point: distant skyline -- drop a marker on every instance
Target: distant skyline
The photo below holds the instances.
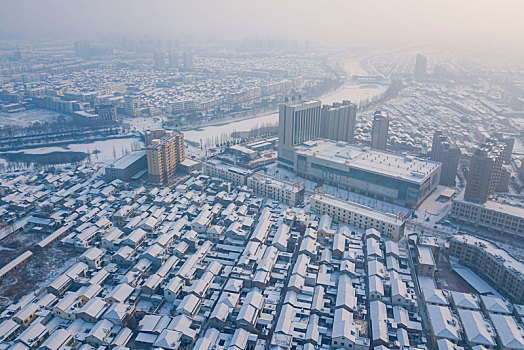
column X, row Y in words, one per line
column 469, row 23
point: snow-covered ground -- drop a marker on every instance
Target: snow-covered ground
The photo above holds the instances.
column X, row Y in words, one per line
column 141, row 124
column 432, row 209
column 25, row 118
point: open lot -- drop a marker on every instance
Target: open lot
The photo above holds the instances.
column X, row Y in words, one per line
column 447, row 279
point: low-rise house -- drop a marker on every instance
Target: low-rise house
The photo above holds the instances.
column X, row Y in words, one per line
column 120, row 294
column 66, row 307
column 443, row 324
column 122, row 338
column 376, row 288
column 510, row 334
column 117, row 313
column 156, row 254
column 495, row 305
column 135, row 238
column 93, row 310
column 250, row 311
column 33, row 336
column 477, row 330
column 99, row 333
column 88, row 292
column 26, row 315
column 202, row 222
column 112, row 240
column 435, row 296
column 426, row 265
column 173, row 288
column 124, row 256
column 92, row 257
column 189, row 305
column 346, row 333
column 60, row 339
column 464, row 301
column 8, row 330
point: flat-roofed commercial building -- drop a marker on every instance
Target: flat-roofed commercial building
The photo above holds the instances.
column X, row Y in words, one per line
column 127, row 166
column 496, row 216
column 391, row 177
column 504, row 272
column 189, row 165
column 237, row 176
column 358, row 216
column 284, row 192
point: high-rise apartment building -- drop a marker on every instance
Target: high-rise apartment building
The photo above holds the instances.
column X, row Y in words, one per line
column 298, row 123
column 188, row 60
column 520, row 169
column 338, row 121
column 509, row 142
column 163, row 157
column 379, row 132
column 504, row 179
column 160, row 59
column 174, row 62
column 150, row 135
column 132, row 106
column 484, row 171
column 419, row 73
column 444, row 151
column 450, row 160
column 436, row 145
column 82, row 48
column 107, row 113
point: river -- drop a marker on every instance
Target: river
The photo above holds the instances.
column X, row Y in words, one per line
column 107, row 150
column 103, row 150
column 210, row 134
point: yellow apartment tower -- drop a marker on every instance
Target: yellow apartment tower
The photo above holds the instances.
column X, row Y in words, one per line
column 165, row 150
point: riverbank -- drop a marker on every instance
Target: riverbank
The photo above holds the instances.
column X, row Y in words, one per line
column 324, row 96
column 249, row 116
column 52, row 158
column 67, row 143
column 207, row 134
column 101, row 150
column 222, row 131
column 226, row 122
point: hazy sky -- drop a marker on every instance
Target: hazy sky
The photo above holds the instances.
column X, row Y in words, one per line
column 355, row 22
